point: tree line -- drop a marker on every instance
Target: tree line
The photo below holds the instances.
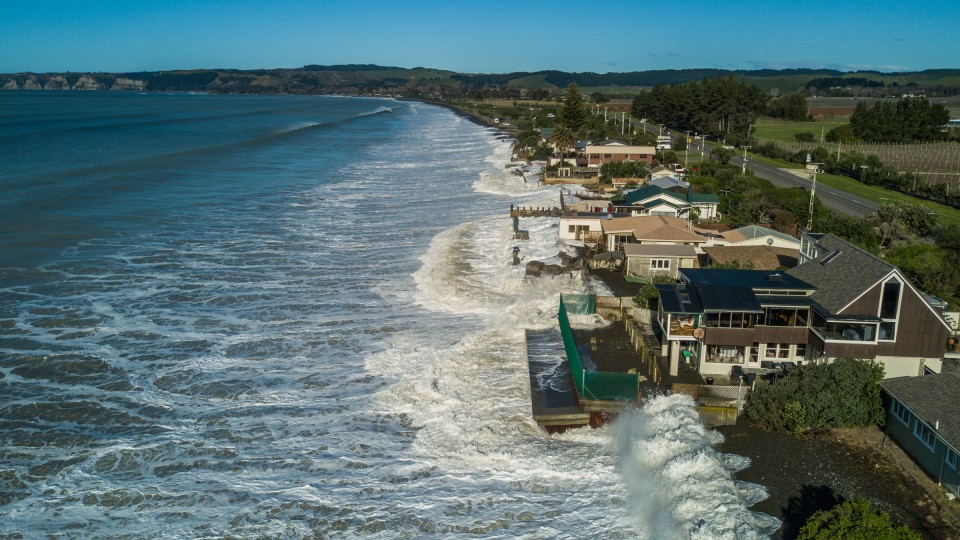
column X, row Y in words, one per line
column 722, row 107
column 909, row 120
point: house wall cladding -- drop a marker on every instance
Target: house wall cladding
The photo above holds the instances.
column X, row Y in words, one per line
column 920, row 333
column 931, row 461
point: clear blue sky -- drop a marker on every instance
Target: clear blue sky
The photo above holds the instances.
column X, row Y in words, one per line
column 480, row 36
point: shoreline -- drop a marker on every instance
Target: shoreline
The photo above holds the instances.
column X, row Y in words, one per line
column 504, row 134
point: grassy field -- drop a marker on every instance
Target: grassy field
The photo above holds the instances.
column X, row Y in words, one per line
column 775, row 129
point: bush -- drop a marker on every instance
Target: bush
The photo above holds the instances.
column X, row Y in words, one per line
column 843, row 393
column 804, row 136
column 856, row 520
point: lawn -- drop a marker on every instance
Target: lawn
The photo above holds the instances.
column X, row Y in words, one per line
column 775, row 129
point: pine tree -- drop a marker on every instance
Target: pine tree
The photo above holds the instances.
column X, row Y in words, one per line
column 573, row 114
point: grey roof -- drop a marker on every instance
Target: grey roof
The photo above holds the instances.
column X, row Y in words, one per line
column 668, row 182
column 932, row 398
column 841, row 273
column 658, row 250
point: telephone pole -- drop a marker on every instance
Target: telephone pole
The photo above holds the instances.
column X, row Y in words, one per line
column 813, row 191
column 743, row 172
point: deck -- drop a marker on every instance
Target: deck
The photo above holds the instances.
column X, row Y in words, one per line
column 552, row 394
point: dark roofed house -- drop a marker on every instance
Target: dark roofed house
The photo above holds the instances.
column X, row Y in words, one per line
column 734, row 320
column 651, row 200
column 841, row 302
column 867, row 308
column 923, row 417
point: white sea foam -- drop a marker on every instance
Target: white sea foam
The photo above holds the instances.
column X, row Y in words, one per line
column 321, row 360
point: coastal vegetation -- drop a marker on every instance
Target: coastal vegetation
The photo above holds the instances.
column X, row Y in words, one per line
column 855, row 520
column 843, row 393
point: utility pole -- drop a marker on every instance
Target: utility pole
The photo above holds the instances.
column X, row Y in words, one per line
column 686, row 148
column 813, row 191
column 743, row 172
column 623, row 122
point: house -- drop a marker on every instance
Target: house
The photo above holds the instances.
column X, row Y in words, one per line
column 750, row 257
column 867, row 308
column 652, row 200
column 586, row 226
column 650, row 260
column 613, row 151
column 661, row 171
column 662, row 230
column 841, row 302
column 734, row 320
column 755, row 235
column 923, row 417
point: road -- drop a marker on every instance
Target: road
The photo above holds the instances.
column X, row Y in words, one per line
column 841, row 201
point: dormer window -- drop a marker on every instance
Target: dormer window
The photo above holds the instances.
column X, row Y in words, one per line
column 890, row 309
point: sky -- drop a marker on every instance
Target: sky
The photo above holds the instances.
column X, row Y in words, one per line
column 481, row 36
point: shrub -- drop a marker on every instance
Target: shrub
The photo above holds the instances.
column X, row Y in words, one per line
column 854, row 519
column 843, row 393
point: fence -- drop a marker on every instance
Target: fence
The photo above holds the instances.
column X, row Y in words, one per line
column 594, row 385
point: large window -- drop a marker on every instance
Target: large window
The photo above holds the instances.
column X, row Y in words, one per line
column 925, row 434
column 733, row 319
column 785, row 316
column 889, row 309
column 844, row 330
column 659, row 264
column 951, row 458
column 901, row 412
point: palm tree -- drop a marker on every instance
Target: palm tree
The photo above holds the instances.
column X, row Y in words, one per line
column 563, row 139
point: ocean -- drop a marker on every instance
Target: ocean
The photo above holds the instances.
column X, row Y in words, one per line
column 296, row 316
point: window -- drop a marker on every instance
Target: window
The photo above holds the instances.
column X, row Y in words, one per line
column 777, row 351
column 925, row 434
column 573, row 228
column 755, row 352
column 660, row 264
column 901, row 412
column 801, row 350
column 889, row 309
column 951, row 458
column 890, row 300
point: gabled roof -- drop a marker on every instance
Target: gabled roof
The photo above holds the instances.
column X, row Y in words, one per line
column 841, row 273
column 933, row 399
column 668, row 182
column 658, row 250
column 653, row 228
column 611, row 142
column 752, row 232
column 651, row 191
